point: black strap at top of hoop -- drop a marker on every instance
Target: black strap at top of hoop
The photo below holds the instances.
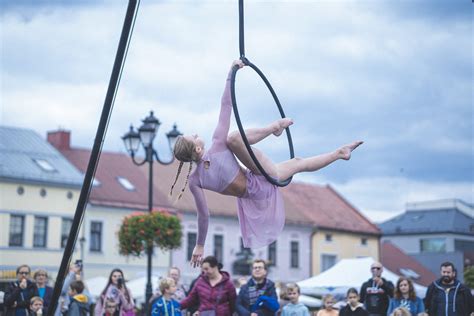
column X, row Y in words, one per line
column 241, row 29
column 269, row 178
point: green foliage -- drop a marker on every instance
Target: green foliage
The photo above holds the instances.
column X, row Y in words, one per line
column 469, row 276
column 140, row 230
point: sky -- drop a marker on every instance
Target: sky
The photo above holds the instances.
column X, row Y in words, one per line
column 395, row 74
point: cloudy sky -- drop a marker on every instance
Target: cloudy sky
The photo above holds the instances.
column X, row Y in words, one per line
column 396, row 74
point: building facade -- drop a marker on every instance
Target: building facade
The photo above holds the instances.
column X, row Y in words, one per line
column 434, row 232
column 39, row 189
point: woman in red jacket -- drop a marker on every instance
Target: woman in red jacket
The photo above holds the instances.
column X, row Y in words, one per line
column 214, row 291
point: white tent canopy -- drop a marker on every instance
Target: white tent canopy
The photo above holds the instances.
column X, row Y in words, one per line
column 137, row 287
column 345, row 274
column 96, row 285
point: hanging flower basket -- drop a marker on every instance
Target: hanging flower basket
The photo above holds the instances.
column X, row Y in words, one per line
column 140, row 230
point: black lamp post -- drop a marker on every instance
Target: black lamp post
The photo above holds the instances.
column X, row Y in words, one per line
column 145, row 136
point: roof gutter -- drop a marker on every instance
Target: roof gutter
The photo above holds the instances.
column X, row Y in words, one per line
column 49, row 183
column 354, row 232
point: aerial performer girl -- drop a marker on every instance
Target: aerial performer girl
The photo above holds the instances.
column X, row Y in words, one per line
column 260, row 205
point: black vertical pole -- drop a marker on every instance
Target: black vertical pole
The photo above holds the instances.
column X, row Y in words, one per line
column 241, row 28
column 95, row 153
column 149, row 290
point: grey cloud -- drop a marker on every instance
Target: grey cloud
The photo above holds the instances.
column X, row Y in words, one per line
column 387, row 73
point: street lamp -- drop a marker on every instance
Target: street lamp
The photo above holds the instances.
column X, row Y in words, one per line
column 145, row 136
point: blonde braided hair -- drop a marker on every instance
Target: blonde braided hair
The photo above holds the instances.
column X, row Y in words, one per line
column 184, row 151
column 177, row 176
column 187, row 180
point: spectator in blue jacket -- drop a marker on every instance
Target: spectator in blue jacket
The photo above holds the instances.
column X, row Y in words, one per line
column 405, row 296
column 294, row 308
column 43, row 289
column 258, row 297
column 165, row 305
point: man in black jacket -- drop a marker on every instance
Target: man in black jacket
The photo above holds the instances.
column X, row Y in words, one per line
column 447, row 296
column 18, row 295
column 257, row 287
column 376, row 292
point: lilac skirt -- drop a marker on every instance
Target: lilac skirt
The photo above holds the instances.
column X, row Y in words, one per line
column 261, row 212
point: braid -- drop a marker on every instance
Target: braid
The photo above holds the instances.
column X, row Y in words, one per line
column 177, row 176
column 187, row 179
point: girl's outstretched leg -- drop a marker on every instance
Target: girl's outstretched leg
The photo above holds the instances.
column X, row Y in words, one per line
column 293, row 166
column 254, row 135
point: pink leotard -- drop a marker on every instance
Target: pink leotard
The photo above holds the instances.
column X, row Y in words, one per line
column 261, row 209
column 221, row 169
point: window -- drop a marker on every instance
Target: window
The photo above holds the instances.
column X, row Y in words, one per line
column 294, row 254
column 463, row 245
column 272, row 254
column 363, row 241
column 126, row 184
column 96, row 236
column 327, row 261
column 45, row 165
column 433, row 245
column 40, row 233
column 66, row 226
column 17, row 224
column 192, row 237
column 328, row 237
column 219, row 247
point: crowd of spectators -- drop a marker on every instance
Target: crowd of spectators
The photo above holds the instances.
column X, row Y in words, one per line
column 213, row 293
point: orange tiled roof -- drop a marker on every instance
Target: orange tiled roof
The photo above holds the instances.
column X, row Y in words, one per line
column 394, row 259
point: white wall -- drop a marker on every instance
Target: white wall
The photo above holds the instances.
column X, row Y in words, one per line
column 230, row 229
column 55, row 205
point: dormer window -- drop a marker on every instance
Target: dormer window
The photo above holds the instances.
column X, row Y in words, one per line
column 45, row 165
column 126, row 183
column 409, row 273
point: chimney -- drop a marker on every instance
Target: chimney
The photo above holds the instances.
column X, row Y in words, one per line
column 60, row 139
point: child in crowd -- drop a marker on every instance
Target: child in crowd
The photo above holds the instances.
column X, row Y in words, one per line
column 78, row 305
column 328, row 310
column 166, row 305
column 111, row 308
column 36, row 306
column 353, row 307
column 294, row 308
column 400, row 311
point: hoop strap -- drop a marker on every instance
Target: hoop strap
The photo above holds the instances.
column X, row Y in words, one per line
column 241, row 29
column 236, row 110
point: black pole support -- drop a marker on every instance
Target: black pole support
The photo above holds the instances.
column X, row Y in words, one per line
column 272, row 180
column 241, row 28
column 95, row 153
